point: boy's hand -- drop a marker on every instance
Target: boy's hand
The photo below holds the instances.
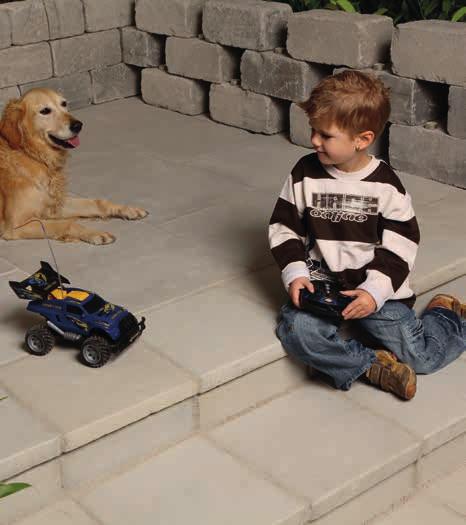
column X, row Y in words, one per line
column 362, row 306
column 296, row 285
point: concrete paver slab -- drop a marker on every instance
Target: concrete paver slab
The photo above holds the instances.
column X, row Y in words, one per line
column 144, row 267
column 435, row 415
column 377, row 499
column 25, row 440
column 129, row 126
column 5, row 266
column 14, row 319
column 264, row 286
column 192, row 482
column 441, row 256
column 131, row 443
column 450, row 491
column 65, row 512
column 244, row 392
column 421, row 510
column 457, row 287
column 167, row 189
column 442, row 460
column 217, row 335
column 45, row 488
column 85, row 403
column 425, row 191
column 319, row 444
column 237, row 227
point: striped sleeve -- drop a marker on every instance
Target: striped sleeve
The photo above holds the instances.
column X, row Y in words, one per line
column 287, row 233
column 395, row 254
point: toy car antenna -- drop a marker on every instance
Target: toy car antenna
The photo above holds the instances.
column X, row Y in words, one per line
column 50, row 248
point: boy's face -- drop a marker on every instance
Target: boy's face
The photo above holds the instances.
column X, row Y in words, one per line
column 333, row 145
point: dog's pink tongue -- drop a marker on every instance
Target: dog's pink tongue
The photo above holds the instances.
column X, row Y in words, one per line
column 74, row 141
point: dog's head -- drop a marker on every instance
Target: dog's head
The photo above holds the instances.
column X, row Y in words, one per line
column 40, row 121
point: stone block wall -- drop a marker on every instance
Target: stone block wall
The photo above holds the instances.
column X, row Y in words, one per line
column 73, row 46
column 246, row 63
column 249, row 62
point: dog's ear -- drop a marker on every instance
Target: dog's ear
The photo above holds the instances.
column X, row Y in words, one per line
column 11, row 123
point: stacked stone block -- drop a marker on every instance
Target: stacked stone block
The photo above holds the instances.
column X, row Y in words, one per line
column 194, row 59
column 244, row 109
column 430, row 50
column 248, row 62
column 173, row 18
column 338, row 38
column 73, row 46
column 247, row 24
column 278, row 76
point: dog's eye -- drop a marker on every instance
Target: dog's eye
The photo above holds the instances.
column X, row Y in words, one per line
column 64, row 104
column 45, row 111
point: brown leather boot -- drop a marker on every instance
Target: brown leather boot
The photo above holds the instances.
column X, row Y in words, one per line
column 392, row 376
column 449, row 302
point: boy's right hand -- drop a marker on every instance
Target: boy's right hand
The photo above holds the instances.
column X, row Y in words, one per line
column 297, row 285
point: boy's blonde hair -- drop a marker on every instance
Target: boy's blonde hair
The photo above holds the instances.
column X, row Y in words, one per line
column 351, row 100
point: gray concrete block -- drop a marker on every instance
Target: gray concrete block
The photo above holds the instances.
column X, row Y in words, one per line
column 108, row 14
column 141, row 48
column 172, row 92
column 457, row 112
column 76, row 88
column 7, row 94
column 428, row 153
column 426, row 49
column 28, row 21
column 19, row 64
column 175, row 18
column 362, row 40
column 300, row 130
column 66, row 18
column 243, row 109
column 194, row 58
column 5, row 28
column 413, row 102
column 115, row 82
column 248, row 24
column 278, row 75
column 85, row 52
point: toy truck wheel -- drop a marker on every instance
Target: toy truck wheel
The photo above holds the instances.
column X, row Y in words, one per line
column 39, row 339
column 95, row 351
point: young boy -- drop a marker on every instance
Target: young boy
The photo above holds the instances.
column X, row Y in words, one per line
column 345, row 213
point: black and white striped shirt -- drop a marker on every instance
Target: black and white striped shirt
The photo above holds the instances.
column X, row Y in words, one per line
column 361, row 225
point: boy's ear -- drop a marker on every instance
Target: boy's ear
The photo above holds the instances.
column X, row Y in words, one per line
column 365, row 139
column 11, row 123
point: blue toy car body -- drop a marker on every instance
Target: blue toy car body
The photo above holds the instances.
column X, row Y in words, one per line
column 78, row 315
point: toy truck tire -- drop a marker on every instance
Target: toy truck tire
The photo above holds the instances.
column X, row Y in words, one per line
column 95, row 351
column 39, row 339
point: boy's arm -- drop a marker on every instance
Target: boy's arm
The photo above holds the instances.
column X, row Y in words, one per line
column 394, row 256
column 287, row 233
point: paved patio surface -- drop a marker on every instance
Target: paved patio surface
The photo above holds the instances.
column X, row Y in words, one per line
column 206, row 405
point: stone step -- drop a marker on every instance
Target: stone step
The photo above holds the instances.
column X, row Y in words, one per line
column 313, row 453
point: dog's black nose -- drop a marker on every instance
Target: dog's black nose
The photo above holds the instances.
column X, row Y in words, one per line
column 75, row 126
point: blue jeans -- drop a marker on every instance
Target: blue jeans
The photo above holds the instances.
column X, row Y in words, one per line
column 427, row 344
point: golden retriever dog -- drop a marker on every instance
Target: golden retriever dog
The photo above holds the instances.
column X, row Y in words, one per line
column 36, row 134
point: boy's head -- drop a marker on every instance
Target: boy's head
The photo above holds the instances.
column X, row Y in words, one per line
column 354, row 104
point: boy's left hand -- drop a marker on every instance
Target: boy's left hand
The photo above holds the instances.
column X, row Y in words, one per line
column 362, row 306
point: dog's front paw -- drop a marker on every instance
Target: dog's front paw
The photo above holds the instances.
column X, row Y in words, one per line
column 132, row 214
column 99, row 238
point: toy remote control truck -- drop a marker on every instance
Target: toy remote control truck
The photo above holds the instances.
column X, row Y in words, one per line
column 101, row 328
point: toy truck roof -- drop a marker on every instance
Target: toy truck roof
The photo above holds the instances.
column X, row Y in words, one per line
column 40, row 284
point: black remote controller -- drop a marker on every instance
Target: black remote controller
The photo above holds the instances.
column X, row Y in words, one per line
column 326, row 300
